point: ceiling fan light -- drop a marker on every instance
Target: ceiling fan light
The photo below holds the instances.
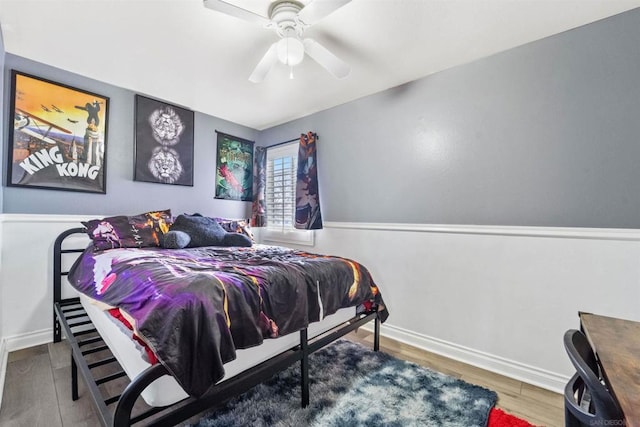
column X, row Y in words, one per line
column 290, row 51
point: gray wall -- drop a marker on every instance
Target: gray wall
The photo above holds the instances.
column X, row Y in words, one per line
column 547, row 134
column 124, row 196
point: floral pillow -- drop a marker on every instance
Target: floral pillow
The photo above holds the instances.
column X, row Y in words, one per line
column 136, row 231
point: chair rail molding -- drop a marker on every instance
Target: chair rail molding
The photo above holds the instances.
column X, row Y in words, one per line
column 499, row 230
column 46, row 218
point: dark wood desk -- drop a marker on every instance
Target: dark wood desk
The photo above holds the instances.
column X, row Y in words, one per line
column 617, row 344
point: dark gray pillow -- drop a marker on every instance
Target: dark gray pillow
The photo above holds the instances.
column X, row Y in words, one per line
column 175, row 239
column 236, row 239
column 202, row 230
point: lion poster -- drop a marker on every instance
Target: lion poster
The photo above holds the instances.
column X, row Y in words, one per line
column 164, row 143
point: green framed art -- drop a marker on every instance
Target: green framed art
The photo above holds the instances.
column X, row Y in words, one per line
column 234, row 168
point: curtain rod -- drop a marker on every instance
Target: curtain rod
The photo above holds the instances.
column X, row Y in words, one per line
column 291, row 140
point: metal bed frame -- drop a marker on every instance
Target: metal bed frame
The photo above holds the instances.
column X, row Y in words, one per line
column 70, row 317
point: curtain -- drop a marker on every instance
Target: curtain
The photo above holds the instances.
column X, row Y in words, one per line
column 308, row 216
column 259, row 206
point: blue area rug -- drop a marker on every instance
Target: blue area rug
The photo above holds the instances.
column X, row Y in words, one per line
column 355, row 386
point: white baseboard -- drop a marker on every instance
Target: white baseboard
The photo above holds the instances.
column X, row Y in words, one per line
column 529, row 374
column 30, row 339
column 3, row 365
column 19, row 342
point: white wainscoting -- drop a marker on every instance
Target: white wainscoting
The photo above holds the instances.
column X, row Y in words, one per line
column 3, row 351
column 27, row 273
column 496, row 297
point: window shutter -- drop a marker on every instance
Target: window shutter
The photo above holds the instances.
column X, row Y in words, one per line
column 281, row 186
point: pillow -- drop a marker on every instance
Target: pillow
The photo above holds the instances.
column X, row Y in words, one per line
column 175, row 239
column 136, row 231
column 236, row 239
column 237, row 226
column 203, row 231
column 193, row 231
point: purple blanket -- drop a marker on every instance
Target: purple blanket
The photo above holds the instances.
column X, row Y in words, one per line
column 195, row 307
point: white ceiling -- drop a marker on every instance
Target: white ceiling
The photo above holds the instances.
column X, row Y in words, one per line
column 184, row 53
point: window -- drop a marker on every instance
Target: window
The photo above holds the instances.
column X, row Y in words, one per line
column 282, row 164
column 280, row 187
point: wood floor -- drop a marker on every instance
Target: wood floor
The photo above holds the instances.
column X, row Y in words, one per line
column 37, row 387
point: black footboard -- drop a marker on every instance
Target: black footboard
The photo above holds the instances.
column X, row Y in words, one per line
column 71, row 318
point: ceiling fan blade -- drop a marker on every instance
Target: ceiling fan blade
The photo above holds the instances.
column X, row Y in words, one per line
column 265, row 65
column 328, row 60
column 318, row 9
column 235, row 11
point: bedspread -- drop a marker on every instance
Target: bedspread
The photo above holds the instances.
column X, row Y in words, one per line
column 195, row 307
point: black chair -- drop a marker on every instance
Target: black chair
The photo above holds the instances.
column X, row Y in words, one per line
column 587, row 401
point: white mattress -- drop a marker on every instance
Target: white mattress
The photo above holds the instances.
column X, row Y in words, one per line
column 165, row 390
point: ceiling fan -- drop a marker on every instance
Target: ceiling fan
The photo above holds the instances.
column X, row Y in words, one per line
column 289, row 18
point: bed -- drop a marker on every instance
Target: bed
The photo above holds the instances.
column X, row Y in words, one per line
column 181, row 385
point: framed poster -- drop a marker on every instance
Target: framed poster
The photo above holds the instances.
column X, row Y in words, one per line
column 58, row 139
column 164, row 143
column 234, row 168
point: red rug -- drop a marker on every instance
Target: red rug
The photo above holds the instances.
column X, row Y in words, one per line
column 499, row 418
